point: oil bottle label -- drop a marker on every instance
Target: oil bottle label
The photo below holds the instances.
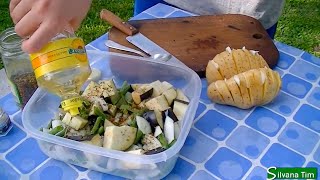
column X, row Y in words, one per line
column 58, row 55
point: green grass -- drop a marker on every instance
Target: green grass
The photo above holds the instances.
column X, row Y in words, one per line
column 299, row 25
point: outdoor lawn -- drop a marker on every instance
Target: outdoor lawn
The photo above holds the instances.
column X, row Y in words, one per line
column 299, row 25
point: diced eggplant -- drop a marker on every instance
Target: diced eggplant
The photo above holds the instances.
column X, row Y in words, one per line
column 77, row 122
column 169, row 129
column 160, row 118
column 142, row 104
column 169, row 112
column 112, row 109
column 96, row 140
column 157, row 88
column 93, row 89
column 181, row 96
column 170, row 95
column 176, row 129
column 166, row 85
column 155, row 151
column 158, row 103
column 81, row 135
column 117, row 117
column 66, row 119
column 157, row 131
column 136, row 86
column 93, row 107
column 180, row 108
column 103, row 104
column 150, row 116
column 107, row 123
column 56, row 123
column 150, row 142
column 108, row 87
column 143, row 125
column 119, row 138
column 141, row 94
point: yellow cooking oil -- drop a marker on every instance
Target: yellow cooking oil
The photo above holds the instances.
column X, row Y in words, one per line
column 61, row 67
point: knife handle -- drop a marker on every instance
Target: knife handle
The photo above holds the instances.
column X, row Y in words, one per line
column 117, row 22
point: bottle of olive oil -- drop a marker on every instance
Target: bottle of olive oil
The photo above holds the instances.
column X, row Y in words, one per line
column 62, row 67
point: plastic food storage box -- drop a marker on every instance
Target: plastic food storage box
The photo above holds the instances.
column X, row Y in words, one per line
column 42, row 106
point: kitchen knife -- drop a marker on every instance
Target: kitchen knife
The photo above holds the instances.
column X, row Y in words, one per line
column 134, row 36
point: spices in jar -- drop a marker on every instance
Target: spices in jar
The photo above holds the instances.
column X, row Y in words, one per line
column 5, row 123
column 17, row 66
column 26, row 85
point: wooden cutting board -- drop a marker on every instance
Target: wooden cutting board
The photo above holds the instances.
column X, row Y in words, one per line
column 196, row 40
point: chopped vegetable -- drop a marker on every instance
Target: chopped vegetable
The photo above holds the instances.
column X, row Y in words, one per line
column 96, row 125
column 140, row 119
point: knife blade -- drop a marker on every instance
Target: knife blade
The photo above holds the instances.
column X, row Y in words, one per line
column 135, row 37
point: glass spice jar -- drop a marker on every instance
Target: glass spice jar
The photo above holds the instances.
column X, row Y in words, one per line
column 5, row 123
column 18, row 67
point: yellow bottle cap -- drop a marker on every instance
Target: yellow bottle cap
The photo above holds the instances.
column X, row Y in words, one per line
column 72, row 105
column 74, row 111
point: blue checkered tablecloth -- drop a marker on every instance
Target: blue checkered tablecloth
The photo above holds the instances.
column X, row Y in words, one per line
column 224, row 142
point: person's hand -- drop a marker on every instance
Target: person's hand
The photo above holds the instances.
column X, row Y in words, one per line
column 41, row 20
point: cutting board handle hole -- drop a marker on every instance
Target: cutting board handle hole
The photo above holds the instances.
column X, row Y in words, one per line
column 257, row 36
column 251, row 22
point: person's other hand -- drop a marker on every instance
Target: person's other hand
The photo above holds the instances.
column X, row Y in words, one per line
column 41, row 20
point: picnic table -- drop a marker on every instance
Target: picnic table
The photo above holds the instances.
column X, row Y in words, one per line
column 224, row 142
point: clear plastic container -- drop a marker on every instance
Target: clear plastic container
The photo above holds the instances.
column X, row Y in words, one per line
column 42, row 106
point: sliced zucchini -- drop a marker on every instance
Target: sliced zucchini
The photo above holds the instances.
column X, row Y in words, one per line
column 143, row 125
column 170, row 95
column 158, row 103
column 169, row 129
column 180, row 108
column 108, row 87
column 128, row 97
column 144, row 92
column 119, row 138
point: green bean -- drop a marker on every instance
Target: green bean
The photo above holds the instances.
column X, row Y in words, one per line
column 101, row 130
column 96, row 125
column 163, row 141
column 61, row 133
column 56, row 130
